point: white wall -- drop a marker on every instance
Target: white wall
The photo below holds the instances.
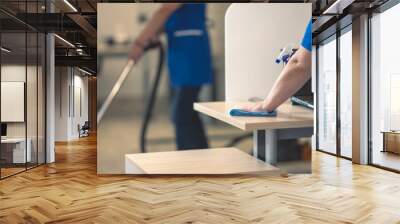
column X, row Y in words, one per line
column 123, row 25
column 80, row 103
column 254, row 35
column 70, row 83
column 82, row 82
column 61, row 103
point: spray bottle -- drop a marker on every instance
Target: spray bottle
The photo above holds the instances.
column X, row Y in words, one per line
column 285, row 54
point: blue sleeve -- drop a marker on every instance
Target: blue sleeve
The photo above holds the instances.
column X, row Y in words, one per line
column 307, row 39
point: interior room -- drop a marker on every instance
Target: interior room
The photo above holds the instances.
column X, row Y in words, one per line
column 22, row 98
column 87, row 138
column 25, row 67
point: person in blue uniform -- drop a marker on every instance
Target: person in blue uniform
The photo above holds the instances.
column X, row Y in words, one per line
column 189, row 64
column 294, row 75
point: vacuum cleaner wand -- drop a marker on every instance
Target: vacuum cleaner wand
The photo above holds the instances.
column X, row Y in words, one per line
column 117, row 86
column 151, row 100
column 115, row 90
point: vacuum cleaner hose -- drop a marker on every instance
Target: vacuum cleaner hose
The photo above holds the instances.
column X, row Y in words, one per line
column 152, row 97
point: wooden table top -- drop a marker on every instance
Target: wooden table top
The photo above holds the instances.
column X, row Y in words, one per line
column 289, row 116
column 218, row 161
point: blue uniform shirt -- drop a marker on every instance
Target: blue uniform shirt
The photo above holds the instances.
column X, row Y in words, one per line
column 307, row 39
column 189, row 56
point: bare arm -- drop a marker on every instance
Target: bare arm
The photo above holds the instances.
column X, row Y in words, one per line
column 291, row 79
column 153, row 28
column 157, row 22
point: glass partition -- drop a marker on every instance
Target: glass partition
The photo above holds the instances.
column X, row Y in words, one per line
column 22, row 77
column 41, row 107
column 327, row 96
column 14, row 153
column 31, row 100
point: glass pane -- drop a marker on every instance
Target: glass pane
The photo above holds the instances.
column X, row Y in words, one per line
column 13, row 87
column 41, row 99
column 32, row 89
column 31, row 100
column 385, row 87
column 327, row 97
column 42, row 90
column 346, row 94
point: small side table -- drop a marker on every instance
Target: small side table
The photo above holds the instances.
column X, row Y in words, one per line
column 391, row 141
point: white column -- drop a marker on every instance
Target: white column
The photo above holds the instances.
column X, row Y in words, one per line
column 50, row 98
column 360, row 90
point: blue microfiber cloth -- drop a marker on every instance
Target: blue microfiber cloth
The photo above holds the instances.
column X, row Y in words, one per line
column 243, row 113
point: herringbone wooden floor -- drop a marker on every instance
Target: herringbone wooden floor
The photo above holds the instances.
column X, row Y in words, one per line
column 69, row 191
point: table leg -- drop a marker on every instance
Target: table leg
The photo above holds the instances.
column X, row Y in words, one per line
column 265, row 145
column 384, row 142
column 265, row 142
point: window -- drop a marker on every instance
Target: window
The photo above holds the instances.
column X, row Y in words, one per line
column 327, row 96
column 385, row 89
column 346, row 92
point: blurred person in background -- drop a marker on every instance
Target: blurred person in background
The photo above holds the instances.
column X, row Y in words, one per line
column 189, row 64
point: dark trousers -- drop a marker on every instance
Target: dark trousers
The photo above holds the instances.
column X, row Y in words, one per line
column 189, row 130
